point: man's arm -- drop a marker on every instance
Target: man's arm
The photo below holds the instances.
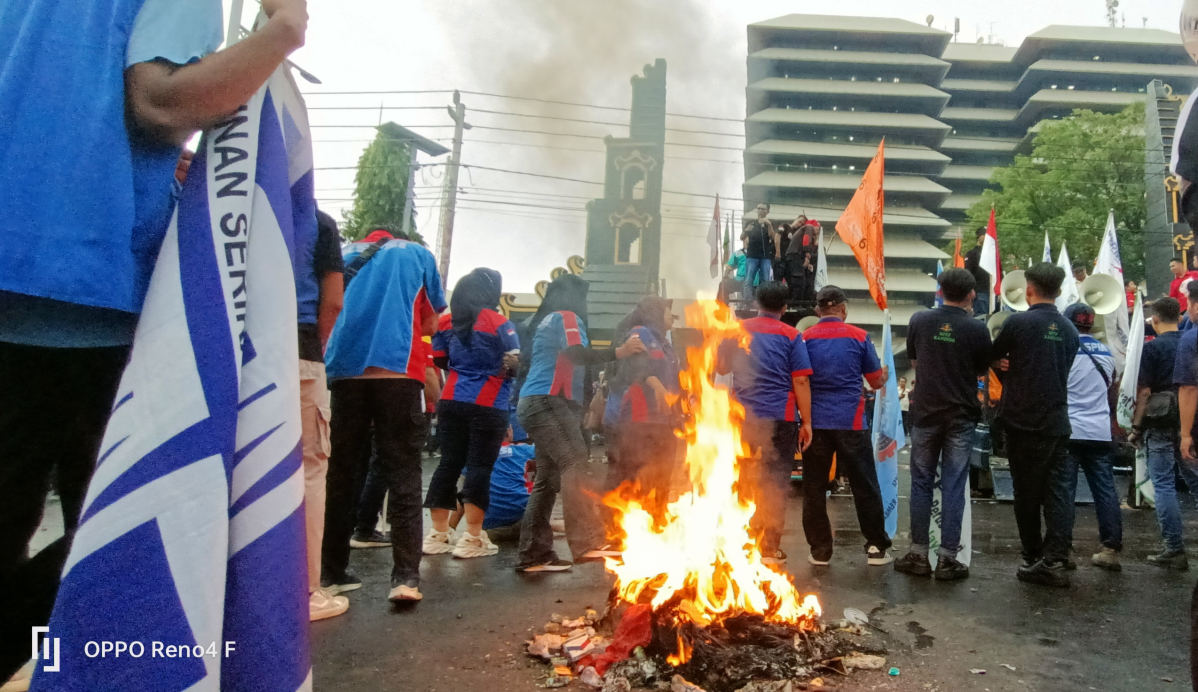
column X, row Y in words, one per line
column 332, row 294
column 1187, row 402
column 171, row 102
column 802, row 390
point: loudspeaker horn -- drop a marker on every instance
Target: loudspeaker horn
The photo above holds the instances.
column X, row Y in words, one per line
column 807, row 323
column 1013, row 291
column 1103, row 293
column 995, row 323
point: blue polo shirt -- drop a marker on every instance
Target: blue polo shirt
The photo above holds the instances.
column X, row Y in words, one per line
column 384, row 306
column 476, row 374
column 762, row 381
column 85, row 203
column 1185, row 370
column 637, row 402
column 551, row 372
column 842, row 356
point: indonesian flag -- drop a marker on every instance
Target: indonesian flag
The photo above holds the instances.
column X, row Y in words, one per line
column 990, row 259
column 713, row 239
column 860, row 226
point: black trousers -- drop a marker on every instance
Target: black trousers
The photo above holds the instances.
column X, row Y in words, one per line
column 470, row 436
column 54, row 405
column 392, row 406
column 1041, row 484
column 773, row 443
column 855, row 459
column 646, row 456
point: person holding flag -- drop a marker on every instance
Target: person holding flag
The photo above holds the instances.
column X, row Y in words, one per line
column 949, row 350
column 131, row 82
column 981, row 277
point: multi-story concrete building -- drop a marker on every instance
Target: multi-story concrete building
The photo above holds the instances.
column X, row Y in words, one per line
column 822, row 91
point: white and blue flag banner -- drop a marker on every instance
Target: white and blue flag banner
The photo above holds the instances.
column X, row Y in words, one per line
column 888, row 437
column 939, row 293
column 189, row 560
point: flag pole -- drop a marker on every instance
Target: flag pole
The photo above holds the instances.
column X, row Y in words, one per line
column 234, row 33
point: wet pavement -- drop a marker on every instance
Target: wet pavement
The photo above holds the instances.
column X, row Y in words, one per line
column 1109, row 631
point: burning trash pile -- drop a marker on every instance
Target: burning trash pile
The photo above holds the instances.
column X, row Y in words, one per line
column 693, row 606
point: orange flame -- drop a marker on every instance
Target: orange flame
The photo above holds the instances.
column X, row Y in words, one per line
column 702, row 549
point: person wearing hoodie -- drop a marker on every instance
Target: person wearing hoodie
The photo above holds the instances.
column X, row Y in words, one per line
column 480, row 349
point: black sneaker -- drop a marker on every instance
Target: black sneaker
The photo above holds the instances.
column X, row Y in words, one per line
column 554, row 565
column 374, row 539
column 949, row 569
column 876, row 557
column 1045, row 574
column 1170, row 559
column 914, row 563
column 346, row 582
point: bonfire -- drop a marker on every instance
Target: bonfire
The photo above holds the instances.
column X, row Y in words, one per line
column 692, row 600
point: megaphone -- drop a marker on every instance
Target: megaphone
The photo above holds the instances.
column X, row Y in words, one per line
column 1103, row 293
column 1013, row 291
column 807, row 323
column 995, row 323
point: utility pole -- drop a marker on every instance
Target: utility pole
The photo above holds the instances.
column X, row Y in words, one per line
column 458, row 113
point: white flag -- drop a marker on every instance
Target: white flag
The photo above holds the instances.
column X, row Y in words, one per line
column 1047, row 249
column 1116, row 322
column 821, row 263
column 1069, row 293
column 713, row 240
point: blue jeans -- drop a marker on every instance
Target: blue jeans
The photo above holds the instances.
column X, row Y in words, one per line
column 1163, row 458
column 947, row 443
column 757, row 271
column 1094, row 458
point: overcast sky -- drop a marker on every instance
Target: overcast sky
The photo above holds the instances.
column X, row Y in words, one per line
column 585, row 52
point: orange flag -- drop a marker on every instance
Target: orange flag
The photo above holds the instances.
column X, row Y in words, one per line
column 860, row 227
column 958, row 260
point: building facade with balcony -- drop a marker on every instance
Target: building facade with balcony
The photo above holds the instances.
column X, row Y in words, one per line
column 823, row 91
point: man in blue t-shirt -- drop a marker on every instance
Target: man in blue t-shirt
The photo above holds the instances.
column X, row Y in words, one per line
column 376, row 362
column 841, row 357
column 97, row 98
column 1167, row 365
column 771, row 382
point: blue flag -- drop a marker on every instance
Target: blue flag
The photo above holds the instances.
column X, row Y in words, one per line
column 887, row 434
column 188, row 567
column 939, row 293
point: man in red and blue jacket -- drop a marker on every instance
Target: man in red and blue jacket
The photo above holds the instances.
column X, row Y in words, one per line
column 771, row 381
column 841, row 356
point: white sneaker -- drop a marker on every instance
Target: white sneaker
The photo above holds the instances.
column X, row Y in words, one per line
column 322, row 605
column 438, row 543
column 877, row 557
column 474, row 546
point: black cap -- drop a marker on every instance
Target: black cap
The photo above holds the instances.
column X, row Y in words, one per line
column 1081, row 315
column 830, row 296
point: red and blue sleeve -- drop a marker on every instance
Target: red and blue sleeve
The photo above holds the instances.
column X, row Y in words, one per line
column 508, row 337
column 800, row 361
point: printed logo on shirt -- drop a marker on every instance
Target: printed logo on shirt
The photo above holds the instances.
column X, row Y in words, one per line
column 1053, row 333
column 945, row 334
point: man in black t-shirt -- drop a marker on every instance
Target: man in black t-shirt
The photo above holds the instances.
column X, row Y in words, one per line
column 1035, row 351
column 949, row 350
column 761, row 249
column 319, row 288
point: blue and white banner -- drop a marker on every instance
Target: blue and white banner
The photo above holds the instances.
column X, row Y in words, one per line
column 888, row 437
column 188, row 568
column 939, row 293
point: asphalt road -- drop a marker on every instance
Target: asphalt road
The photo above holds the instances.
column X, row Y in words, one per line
column 1109, row 631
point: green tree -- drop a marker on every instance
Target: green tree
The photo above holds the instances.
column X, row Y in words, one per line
column 380, row 186
column 1079, row 168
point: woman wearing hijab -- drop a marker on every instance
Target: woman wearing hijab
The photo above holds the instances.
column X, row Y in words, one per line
column 479, row 348
column 550, row 409
column 645, row 388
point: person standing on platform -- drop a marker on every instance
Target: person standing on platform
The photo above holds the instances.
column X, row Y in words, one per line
column 949, row 350
column 761, row 249
column 841, row 357
column 981, row 277
column 771, row 382
column 1035, row 352
column 1091, row 394
column 1181, row 280
column 377, row 364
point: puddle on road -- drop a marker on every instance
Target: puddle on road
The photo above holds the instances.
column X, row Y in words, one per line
column 923, row 640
